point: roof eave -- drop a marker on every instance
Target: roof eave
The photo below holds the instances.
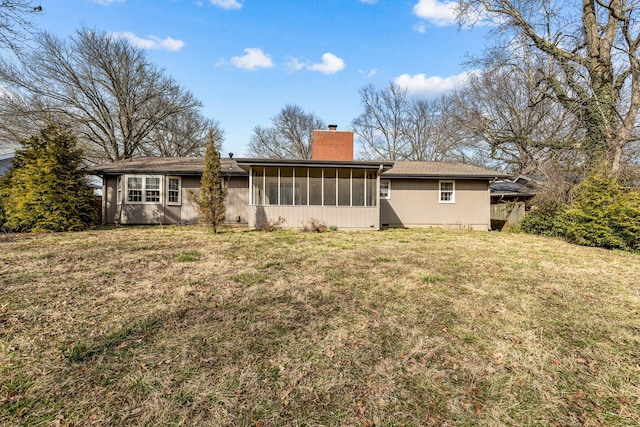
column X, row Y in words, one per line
column 442, row 176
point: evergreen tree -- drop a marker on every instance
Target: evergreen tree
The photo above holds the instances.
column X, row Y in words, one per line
column 46, row 190
column 212, row 190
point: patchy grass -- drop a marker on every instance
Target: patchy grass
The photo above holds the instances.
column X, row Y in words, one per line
column 132, row 326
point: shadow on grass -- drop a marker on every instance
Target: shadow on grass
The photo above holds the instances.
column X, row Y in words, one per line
column 131, row 334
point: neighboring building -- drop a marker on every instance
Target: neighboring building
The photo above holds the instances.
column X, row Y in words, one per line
column 510, row 200
column 331, row 188
column 7, row 153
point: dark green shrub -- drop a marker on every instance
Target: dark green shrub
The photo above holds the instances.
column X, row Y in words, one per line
column 603, row 214
column 546, row 219
column 46, row 190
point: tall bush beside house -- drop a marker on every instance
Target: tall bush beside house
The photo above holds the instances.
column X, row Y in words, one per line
column 46, row 190
column 604, row 215
column 212, row 190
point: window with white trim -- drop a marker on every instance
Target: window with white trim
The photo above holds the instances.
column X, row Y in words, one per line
column 143, row 189
column 173, row 190
column 119, row 190
column 447, row 192
column 385, row 189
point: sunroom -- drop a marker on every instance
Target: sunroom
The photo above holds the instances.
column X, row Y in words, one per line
column 336, row 193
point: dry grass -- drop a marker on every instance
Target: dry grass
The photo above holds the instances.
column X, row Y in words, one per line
column 177, row 326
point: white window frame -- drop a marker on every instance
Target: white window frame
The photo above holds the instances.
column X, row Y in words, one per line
column 119, row 193
column 441, row 192
column 169, row 190
column 143, row 190
column 386, row 196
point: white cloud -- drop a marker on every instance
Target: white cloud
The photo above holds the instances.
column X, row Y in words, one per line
column 331, row 64
column 369, row 1
column 431, row 87
column 253, row 58
column 294, row 64
column 152, row 42
column 438, row 13
column 227, row 4
column 420, row 27
column 107, row 2
column 368, row 74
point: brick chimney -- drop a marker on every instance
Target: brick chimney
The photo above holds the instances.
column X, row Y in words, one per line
column 332, row 144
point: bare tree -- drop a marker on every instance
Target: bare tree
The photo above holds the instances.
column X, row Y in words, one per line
column 592, row 67
column 431, row 132
column 522, row 129
column 289, row 137
column 380, row 126
column 397, row 127
column 15, row 22
column 102, row 86
column 183, row 135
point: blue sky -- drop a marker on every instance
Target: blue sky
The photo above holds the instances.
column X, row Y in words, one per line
column 246, row 59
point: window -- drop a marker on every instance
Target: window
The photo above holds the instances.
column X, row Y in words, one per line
column 119, row 190
column 447, row 191
column 173, row 191
column 344, row 187
column 300, row 186
column 134, row 189
column 385, row 189
column 329, row 187
column 152, row 190
column 143, row 189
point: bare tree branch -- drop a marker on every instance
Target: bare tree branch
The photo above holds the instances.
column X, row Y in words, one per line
column 289, row 137
column 103, row 86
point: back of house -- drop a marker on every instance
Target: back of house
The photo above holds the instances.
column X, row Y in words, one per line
column 331, row 188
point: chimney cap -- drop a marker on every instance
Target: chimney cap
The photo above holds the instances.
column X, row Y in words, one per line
column 333, row 127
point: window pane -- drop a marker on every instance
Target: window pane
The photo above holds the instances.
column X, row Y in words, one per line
column 134, row 183
column 119, row 190
column 357, row 187
column 134, row 189
column 315, row 187
column 446, row 191
column 173, row 193
column 153, row 184
column 371, row 188
column 257, row 186
column 271, row 186
column 301, row 186
column 329, row 187
column 385, row 185
column 286, row 186
column 344, row 187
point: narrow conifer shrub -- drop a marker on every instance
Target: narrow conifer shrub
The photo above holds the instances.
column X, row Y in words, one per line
column 210, row 201
column 46, row 188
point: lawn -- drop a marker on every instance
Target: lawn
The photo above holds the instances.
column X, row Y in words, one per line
column 177, row 326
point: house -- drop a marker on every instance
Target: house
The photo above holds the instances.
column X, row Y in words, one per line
column 510, row 200
column 7, row 153
column 332, row 188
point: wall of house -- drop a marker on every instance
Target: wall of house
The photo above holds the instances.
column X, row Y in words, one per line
column 237, row 205
column 5, row 165
column 343, row 217
column 415, row 203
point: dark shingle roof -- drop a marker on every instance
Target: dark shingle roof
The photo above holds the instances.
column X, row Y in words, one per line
column 509, row 188
column 195, row 165
column 165, row 165
column 440, row 170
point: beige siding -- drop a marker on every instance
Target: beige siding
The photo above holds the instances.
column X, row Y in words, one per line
column 343, row 217
column 186, row 213
column 415, row 203
column 237, row 201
